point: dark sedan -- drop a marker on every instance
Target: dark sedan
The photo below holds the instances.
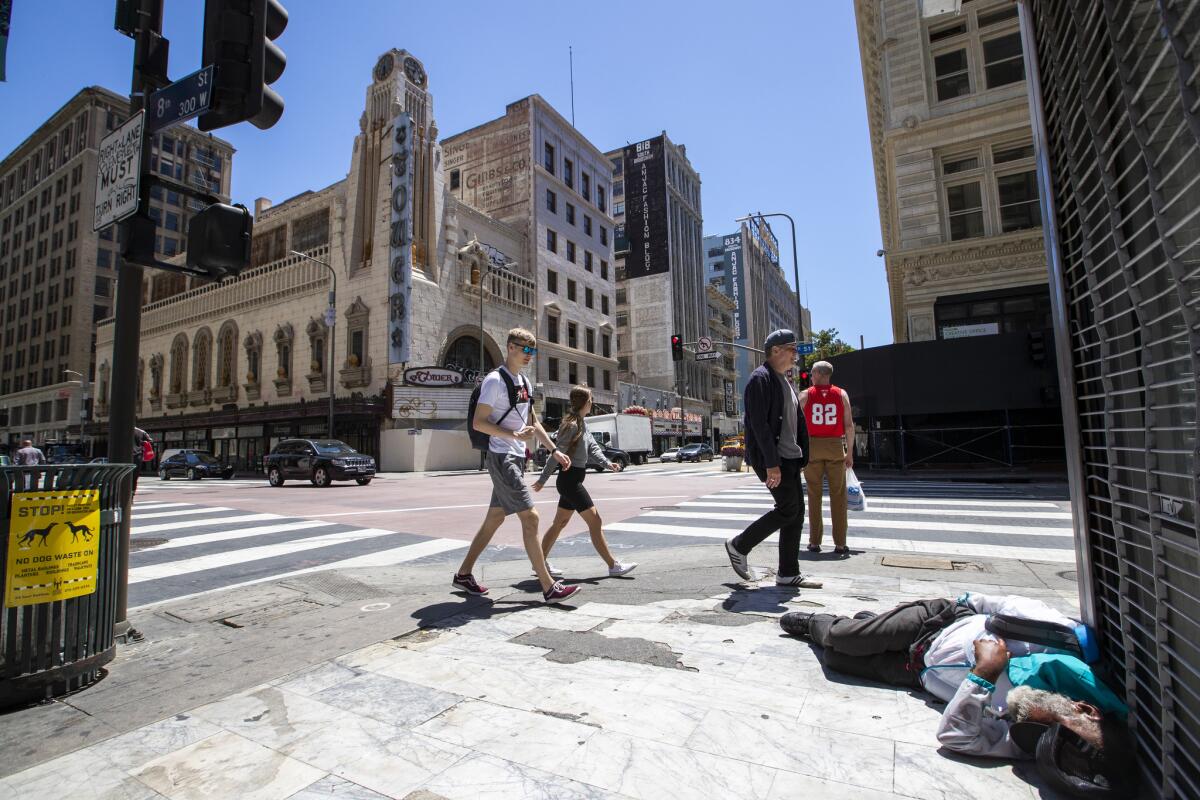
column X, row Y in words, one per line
column 696, row 452
column 194, row 465
column 321, row 461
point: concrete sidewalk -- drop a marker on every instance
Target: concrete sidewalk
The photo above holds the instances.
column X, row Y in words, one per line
column 380, row 683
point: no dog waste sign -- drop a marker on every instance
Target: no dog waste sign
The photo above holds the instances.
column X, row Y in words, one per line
column 53, row 546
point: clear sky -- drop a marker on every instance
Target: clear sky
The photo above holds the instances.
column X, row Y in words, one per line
column 767, row 97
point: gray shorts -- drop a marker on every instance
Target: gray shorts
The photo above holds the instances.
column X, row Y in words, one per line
column 508, row 482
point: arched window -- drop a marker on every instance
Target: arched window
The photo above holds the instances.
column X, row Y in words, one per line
column 463, row 356
column 179, row 354
column 201, row 360
column 227, row 355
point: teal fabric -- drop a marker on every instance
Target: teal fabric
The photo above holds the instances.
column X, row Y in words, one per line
column 984, row 682
column 1055, row 672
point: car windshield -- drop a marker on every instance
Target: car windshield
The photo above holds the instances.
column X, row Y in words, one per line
column 207, row 458
column 334, row 448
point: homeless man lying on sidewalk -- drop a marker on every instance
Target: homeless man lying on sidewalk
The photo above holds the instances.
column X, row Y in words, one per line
column 1007, row 697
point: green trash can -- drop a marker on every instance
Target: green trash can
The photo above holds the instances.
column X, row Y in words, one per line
column 59, row 557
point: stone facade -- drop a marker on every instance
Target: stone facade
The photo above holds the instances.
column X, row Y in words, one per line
column 58, row 276
column 952, row 149
column 274, row 382
column 533, row 170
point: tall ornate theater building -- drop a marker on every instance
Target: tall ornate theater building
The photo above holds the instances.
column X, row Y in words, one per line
column 235, row 367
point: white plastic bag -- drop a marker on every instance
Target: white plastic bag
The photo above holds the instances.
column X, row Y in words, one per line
column 855, row 499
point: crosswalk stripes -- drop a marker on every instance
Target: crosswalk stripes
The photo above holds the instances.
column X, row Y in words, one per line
column 209, row 548
column 150, row 485
column 970, row 527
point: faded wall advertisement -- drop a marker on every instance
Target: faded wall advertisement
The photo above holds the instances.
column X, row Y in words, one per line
column 490, row 171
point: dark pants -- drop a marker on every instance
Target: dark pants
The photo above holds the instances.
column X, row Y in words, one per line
column 787, row 517
column 878, row 648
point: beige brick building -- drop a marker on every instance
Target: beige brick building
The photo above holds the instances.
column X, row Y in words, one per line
column 954, row 169
column 58, row 276
column 237, row 366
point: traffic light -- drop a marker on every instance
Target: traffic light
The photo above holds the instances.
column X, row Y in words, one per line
column 676, row 347
column 238, row 44
column 805, row 380
column 218, row 240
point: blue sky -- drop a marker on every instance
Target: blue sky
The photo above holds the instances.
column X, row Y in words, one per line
column 767, row 96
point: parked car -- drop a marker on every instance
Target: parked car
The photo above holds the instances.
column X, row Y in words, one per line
column 321, row 461
column 696, row 452
column 669, row 455
column 194, row 465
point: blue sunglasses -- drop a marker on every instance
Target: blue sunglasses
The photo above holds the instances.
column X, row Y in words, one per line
column 529, row 351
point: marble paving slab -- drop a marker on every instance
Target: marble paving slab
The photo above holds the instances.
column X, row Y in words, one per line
column 227, row 765
column 930, row 774
column 483, row 777
column 388, row 698
column 83, row 775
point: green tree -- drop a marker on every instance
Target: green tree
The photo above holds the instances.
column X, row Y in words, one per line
column 826, row 343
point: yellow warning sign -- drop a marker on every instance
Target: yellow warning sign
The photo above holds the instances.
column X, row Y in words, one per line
column 53, row 546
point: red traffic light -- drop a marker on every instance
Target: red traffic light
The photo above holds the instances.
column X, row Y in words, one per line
column 676, row 347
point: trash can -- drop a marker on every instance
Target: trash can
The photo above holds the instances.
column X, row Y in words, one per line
column 59, row 556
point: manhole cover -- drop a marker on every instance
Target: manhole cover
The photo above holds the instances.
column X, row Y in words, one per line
column 144, row 544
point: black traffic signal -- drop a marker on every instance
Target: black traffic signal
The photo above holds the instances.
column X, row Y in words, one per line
column 218, row 240
column 237, row 43
column 805, row 379
column 677, row 347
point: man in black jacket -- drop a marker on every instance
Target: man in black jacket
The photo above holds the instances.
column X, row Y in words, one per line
column 777, row 450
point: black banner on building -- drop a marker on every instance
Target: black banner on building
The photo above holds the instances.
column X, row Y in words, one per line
column 646, row 209
column 735, row 270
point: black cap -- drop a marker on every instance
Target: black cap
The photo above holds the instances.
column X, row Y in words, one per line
column 777, row 338
column 1074, row 767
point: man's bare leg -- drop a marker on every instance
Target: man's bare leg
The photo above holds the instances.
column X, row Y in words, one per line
column 483, row 537
column 533, row 547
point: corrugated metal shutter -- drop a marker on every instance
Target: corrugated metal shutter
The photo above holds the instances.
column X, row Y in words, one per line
column 1120, row 100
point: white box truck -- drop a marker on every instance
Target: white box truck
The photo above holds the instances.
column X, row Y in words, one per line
column 628, row 432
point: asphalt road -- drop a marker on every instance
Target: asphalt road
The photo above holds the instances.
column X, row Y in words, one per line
column 196, row 537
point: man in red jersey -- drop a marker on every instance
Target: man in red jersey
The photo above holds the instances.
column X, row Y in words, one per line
column 826, row 410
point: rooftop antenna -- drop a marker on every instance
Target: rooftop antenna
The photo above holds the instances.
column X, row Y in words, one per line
column 571, row 55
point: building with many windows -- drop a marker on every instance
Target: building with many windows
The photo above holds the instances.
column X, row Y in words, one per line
column 58, row 276
column 533, row 170
column 660, row 268
column 954, row 169
column 234, row 367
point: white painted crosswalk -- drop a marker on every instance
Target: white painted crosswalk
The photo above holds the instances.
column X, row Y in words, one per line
column 994, row 526
column 182, row 550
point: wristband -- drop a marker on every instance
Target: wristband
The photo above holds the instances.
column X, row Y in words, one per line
column 982, row 682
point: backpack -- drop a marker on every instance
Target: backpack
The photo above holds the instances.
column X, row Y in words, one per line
column 480, row 440
column 147, row 450
column 1077, row 640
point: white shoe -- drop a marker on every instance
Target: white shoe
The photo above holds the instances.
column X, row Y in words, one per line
column 554, row 571
column 802, row 581
column 618, row 569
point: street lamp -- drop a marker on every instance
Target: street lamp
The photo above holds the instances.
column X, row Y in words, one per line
column 795, row 260
column 330, row 322
column 82, row 401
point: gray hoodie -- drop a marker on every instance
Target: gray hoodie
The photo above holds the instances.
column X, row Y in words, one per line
column 585, row 447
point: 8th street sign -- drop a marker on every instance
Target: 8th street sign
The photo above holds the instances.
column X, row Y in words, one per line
column 118, row 172
column 185, row 98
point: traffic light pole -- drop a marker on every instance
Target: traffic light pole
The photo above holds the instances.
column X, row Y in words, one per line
column 149, row 53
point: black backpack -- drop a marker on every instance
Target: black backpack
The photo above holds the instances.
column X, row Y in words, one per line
column 480, row 440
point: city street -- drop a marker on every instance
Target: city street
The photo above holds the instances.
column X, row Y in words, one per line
column 195, row 537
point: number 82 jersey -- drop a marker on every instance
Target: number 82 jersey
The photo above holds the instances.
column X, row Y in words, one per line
column 824, row 411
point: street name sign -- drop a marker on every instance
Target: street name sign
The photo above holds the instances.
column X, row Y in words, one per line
column 805, row 348
column 708, row 356
column 118, row 172
column 185, row 98
column 704, row 344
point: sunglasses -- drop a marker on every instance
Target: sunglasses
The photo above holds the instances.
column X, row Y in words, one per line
column 529, row 351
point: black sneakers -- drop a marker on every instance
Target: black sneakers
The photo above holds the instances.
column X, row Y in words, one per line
column 795, row 623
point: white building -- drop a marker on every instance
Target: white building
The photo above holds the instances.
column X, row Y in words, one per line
column 237, row 366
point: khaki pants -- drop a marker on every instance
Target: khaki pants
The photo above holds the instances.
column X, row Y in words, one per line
column 826, row 461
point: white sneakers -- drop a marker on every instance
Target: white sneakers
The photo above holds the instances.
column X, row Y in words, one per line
column 618, row 569
column 798, row 580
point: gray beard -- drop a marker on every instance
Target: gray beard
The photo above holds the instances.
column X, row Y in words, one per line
column 1023, row 700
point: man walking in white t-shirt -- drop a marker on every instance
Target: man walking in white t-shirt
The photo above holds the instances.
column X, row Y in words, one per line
column 510, row 427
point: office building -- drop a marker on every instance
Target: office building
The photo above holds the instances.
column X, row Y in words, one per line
column 57, row 276
column 660, row 268
column 532, row 170
column 954, row 169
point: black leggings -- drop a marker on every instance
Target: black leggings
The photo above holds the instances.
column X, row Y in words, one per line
column 571, row 494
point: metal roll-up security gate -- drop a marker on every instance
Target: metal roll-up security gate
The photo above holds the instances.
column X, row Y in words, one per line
column 1116, row 106
column 60, row 557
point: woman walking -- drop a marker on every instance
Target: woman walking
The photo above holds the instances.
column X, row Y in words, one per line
column 574, row 440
